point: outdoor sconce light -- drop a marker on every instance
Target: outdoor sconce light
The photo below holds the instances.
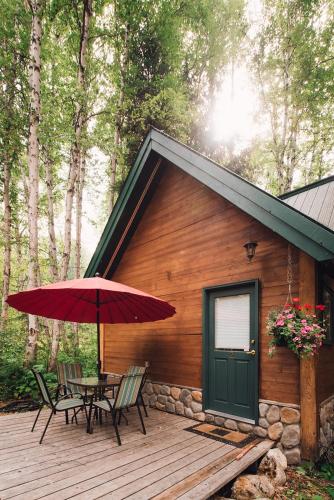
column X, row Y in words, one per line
column 250, row 247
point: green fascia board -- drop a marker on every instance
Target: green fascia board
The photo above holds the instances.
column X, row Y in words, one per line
column 300, row 230
column 120, row 206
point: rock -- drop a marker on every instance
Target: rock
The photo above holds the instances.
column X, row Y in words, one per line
column 165, row 390
column 196, row 407
column 152, row 400
column 146, row 399
column 251, row 486
column 148, row 388
column 156, row 388
column 271, row 466
column 291, row 436
column 170, row 407
column 293, row 456
column 263, row 408
column 170, row 399
column 275, row 431
column 290, row 415
column 209, row 418
column 179, row 408
column 277, row 455
column 219, row 421
column 263, row 423
column 231, row 424
column 159, row 406
column 243, row 427
column 162, row 399
column 200, row 416
column 185, row 397
column 197, row 396
column 188, row 413
column 175, row 392
column 260, row 432
column 273, row 414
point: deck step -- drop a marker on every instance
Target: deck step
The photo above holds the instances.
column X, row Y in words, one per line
column 210, row 479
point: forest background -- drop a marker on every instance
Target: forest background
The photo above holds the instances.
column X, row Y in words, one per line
column 248, row 83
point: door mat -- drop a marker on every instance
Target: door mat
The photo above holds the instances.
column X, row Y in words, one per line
column 235, row 438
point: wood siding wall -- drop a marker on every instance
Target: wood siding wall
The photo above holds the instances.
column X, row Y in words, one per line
column 190, row 238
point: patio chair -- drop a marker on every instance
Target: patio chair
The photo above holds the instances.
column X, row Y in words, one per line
column 134, row 370
column 66, row 371
column 126, row 397
column 63, row 403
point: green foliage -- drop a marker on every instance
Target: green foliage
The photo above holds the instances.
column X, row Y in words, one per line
column 19, row 382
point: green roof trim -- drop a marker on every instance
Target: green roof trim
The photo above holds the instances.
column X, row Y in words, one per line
column 300, row 230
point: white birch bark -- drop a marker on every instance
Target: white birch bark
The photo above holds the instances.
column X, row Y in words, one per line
column 80, row 118
column 33, row 167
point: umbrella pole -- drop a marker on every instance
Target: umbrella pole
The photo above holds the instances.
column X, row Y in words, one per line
column 98, row 333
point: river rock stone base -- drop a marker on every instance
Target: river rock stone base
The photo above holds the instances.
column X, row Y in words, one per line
column 326, row 423
column 279, row 423
column 271, row 473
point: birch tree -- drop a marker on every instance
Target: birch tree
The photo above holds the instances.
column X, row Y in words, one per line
column 80, row 118
column 36, row 8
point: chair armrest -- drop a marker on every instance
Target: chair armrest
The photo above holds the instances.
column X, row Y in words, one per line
column 64, row 388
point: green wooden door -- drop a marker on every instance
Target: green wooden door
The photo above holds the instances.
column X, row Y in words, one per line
column 231, row 350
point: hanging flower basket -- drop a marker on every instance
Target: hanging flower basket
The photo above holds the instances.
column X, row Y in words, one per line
column 296, row 327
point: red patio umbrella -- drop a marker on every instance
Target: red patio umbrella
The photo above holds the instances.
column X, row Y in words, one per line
column 92, row 300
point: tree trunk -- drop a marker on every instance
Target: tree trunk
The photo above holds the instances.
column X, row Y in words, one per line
column 33, row 166
column 79, row 194
column 117, row 138
column 123, row 63
column 7, row 242
column 56, row 326
column 79, row 121
column 51, row 222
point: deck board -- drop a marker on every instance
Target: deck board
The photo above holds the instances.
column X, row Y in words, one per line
column 167, row 463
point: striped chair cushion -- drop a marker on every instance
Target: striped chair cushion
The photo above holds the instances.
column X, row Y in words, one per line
column 68, row 404
column 103, row 404
column 67, row 371
column 43, row 388
column 136, row 370
column 128, row 390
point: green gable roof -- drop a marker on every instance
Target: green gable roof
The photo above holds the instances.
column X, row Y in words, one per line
column 300, row 230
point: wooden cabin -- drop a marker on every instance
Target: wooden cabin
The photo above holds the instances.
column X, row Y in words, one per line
column 178, row 231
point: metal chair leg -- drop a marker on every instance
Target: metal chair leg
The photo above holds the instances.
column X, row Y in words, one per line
column 89, row 424
column 141, row 418
column 35, row 422
column 143, row 404
column 47, row 425
column 116, row 428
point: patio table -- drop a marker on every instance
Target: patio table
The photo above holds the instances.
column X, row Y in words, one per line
column 95, row 384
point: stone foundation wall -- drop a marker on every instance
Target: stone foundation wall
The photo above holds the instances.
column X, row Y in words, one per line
column 326, row 423
column 278, row 422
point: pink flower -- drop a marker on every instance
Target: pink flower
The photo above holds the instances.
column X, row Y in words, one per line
column 289, row 316
column 279, row 322
column 304, row 321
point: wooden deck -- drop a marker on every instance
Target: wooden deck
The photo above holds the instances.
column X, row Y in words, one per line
column 167, row 463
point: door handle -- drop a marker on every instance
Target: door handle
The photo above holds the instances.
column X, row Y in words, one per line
column 251, row 353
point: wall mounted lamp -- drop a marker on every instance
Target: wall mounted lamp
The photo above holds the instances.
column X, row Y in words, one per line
column 250, row 247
